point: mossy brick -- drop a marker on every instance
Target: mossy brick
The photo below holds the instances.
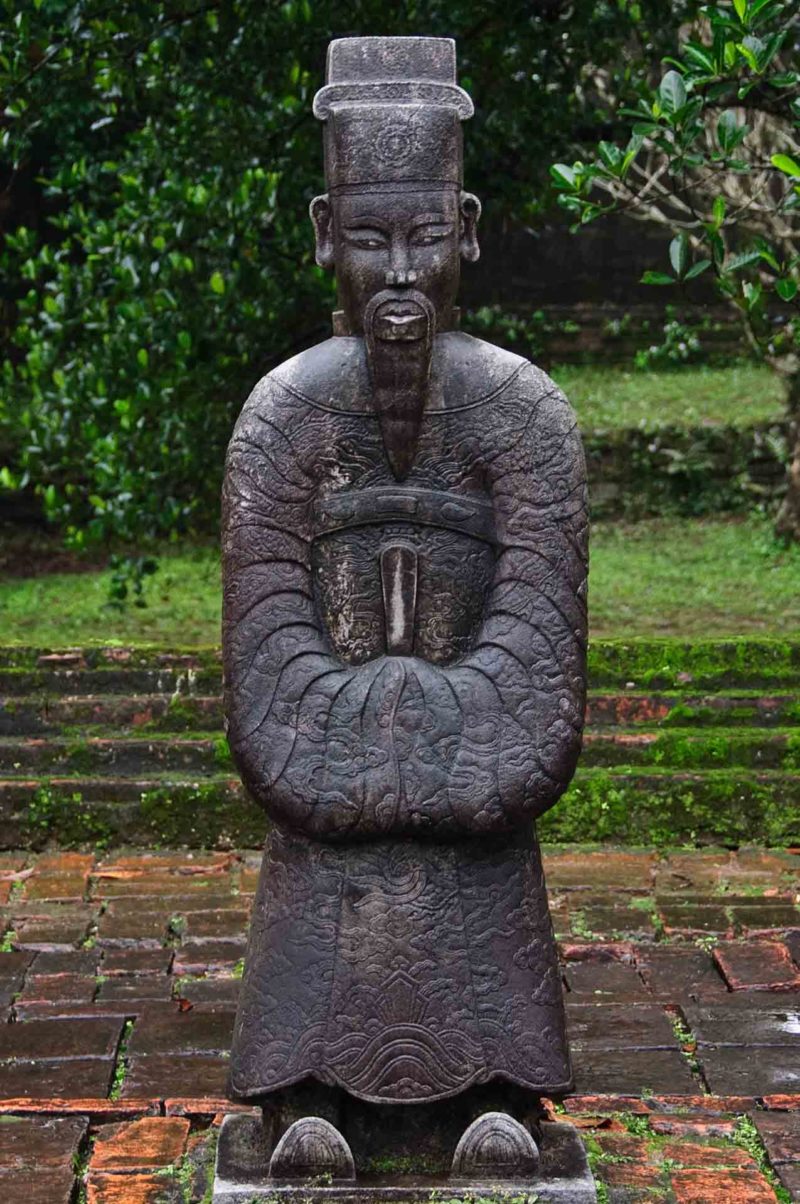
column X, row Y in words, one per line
column 605, row 982
column 209, row 957
column 655, row 662
column 39, row 1142
column 619, row 1026
column 690, row 918
column 142, row 656
column 59, row 1040
column 75, row 961
column 99, row 714
column 620, row 869
column 135, row 989
column 77, row 1078
column 190, row 1076
column 48, row 682
column 753, row 916
column 126, row 756
column 150, row 1143
column 51, row 927
column 79, row 811
column 730, row 1070
column 752, row 1022
column 780, row 1134
column 38, row 1186
column 663, row 664
column 149, row 1187
column 217, row 924
column 634, row 1071
column 650, row 807
column 125, row 924
column 158, row 884
column 219, row 990
column 687, row 749
column 704, row 1186
column 176, row 1032
column 62, row 988
column 757, row 966
column 676, row 708
column 132, row 961
column 181, row 861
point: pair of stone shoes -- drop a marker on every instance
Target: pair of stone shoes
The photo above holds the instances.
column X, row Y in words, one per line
column 494, row 1147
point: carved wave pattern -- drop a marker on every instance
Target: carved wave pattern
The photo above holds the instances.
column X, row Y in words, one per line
column 401, row 972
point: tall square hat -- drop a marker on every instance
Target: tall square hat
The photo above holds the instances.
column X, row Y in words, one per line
column 392, row 111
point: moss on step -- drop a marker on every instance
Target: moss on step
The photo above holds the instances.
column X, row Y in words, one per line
column 727, row 807
column 667, row 664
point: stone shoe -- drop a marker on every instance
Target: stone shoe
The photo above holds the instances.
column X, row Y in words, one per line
column 312, row 1148
column 495, row 1146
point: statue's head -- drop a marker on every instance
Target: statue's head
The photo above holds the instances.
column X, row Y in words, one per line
column 394, row 223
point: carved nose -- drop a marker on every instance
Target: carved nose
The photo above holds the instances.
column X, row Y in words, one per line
column 400, row 278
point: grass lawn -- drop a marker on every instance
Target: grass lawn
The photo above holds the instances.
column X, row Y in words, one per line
column 612, row 397
column 667, row 577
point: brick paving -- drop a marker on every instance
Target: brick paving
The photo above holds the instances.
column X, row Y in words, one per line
column 119, row 974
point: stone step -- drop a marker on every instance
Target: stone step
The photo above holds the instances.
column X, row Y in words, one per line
column 642, row 664
column 118, row 756
column 48, row 682
column 684, row 748
column 106, row 714
column 99, row 714
column 126, row 756
column 99, row 656
column 629, row 804
column 731, row 708
column 695, row 665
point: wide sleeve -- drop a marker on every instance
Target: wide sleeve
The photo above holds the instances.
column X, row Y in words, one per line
column 399, row 745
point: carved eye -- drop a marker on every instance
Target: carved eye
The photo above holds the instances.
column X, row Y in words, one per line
column 366, row 239
column 428, row 235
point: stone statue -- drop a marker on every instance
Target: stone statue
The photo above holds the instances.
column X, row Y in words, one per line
column 404, row 544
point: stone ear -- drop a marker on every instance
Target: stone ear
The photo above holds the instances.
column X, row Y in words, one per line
column 321, row 216
column 470, row 208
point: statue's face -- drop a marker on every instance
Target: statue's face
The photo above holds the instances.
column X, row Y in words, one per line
column 404, row 241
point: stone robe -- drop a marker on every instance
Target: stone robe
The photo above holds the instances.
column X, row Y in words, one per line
column 401, row 945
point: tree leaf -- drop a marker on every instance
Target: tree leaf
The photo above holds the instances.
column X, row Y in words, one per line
column 786, row 164
column 751, row 49
column 729, row 132
column 741, row 8
column 679, row 253
column 672, row 92
column 657, row 278
column 757, row 7
column 700, row 56
column 786, row 289
column 611, row 155
column 563, row 175
column 737, row 262
column 697, row 268
column 217, row 283
column 718, row 210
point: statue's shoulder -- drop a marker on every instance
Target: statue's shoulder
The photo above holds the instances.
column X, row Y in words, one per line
column 472, row 372
column 331, row 375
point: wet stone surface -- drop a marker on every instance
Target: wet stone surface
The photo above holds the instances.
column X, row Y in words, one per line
column 674, row 1041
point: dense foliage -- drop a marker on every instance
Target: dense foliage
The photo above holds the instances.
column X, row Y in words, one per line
column 158, row 164
column 713, row 154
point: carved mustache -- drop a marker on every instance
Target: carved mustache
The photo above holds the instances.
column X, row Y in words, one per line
column 395, row 315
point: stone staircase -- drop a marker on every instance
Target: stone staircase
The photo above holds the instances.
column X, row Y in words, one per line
column 686, row 742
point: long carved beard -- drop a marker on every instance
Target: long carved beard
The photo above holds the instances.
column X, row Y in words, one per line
column 398, row 328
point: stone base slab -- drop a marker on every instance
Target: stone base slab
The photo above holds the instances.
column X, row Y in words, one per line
column 242, row 1167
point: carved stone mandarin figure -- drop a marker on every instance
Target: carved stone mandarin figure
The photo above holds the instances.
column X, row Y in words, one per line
column 405, row 558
